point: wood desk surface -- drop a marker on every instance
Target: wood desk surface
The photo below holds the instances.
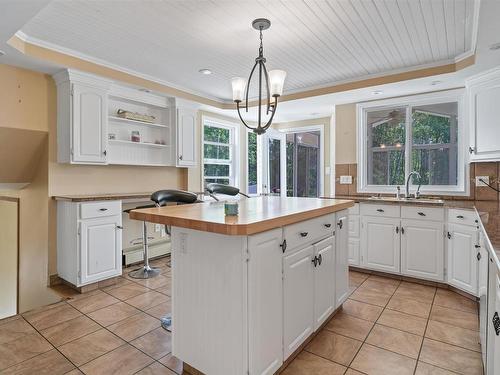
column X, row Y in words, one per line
column 256, row 215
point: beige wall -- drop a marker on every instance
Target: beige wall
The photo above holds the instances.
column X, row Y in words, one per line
column 325, row 121
column 345, row 134
column 28, row 101
column 8, row 266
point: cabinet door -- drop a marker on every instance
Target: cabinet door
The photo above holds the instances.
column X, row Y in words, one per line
column 422, row 249
column 89, row 124
column 324, row 281
column 353, row 251
column 298, row 299
column 380, row 243
column 265, row 301
column 186, row 133
column 484, row 101
column 100, row 249
column 342, row 258
column 462, row 257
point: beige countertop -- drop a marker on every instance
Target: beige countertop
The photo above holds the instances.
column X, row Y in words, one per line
column 256, row 215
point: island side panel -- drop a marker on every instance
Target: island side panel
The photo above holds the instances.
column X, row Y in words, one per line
column 209, row 307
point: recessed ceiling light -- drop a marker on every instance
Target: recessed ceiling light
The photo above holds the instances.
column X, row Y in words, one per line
column 377, row 92
column 2, row 53
column 205, row 71
column 434, row 83
column 495, row 46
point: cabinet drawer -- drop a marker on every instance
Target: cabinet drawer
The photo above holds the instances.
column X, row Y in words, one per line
column 100, row 209
column 383, row 210
column 354, row 210
column 426, row 213
column 466, row 217
column 309, row 231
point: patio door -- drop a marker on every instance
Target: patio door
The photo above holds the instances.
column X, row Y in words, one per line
column 274, row 163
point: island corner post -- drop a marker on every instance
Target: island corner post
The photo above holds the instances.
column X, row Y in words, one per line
column 249, row 291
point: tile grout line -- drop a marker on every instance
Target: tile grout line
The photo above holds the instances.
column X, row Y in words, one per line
column 425, row 331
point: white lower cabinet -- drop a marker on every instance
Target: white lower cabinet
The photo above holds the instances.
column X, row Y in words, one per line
column 380, row 243
column 342, row 258
column 265, row 291
column 462, row 257
column 422, row 249
column 324, row 281
column 298, row 298
column 353, row 249
column 100, row 249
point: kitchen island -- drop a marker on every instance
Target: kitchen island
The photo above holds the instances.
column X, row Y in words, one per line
column 250, row 290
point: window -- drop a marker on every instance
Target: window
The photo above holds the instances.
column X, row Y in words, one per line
column 421, row 133
column 219, row 156
column 252, row 162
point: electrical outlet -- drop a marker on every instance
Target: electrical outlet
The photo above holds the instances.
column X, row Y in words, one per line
column 345, row 180
column 157, row 227
column 484, row 178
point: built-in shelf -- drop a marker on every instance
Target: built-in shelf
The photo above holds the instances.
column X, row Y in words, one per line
column 137, row 143
column 136, row 122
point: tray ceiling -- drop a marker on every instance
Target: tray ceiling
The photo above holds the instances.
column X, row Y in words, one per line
column 319, row 43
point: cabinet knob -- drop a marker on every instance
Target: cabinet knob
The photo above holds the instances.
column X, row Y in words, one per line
column 327, row 225
column 320, row 259
column 314, row 261
column 105, row 152
column 119, row 227
column 496, row 323
column 340, row 223
column 180, row 157
column 448, row 235
column 460, row 217
column 380, row 210
column 478, row 256
column 283, row 245
column 397, row 229
column 402, row 230
column 471, row 150
column 304, row 234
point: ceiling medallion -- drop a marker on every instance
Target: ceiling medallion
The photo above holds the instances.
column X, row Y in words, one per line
column 272, row 82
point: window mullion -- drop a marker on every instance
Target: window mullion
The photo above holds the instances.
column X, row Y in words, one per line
column 408, row 142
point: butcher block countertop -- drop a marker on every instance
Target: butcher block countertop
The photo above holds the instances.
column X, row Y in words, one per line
column 101, row 197
column 256, row 215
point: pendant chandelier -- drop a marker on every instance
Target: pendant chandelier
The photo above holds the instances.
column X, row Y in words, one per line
column 270, row 82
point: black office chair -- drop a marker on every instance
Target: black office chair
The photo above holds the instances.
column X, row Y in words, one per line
column 160, row 198
column 214, row 188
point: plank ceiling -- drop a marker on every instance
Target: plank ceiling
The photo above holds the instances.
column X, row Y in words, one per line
column 317, row 42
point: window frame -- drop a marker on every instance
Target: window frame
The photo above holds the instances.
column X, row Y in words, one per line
column 409, row 102
column 233, row 150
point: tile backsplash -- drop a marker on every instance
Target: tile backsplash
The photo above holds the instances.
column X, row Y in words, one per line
column 481, row 193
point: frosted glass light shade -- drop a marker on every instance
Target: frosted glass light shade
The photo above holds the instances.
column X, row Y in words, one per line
column 276, row 82
column 239, row 84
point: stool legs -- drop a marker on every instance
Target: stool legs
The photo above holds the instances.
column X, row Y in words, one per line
column 146, row 272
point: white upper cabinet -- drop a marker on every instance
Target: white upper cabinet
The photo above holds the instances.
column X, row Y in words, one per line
column 422, row 249
column 380, row 243
column 462, row 257
column 186, row 136
column 483, row 104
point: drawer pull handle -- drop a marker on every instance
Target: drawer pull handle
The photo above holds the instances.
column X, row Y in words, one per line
column 477, row 246
column 328, row 225
column 103, row 209
column 397, row 229
column 304, row 234
column 315, row 261
column 119, row 227
column 380, row 210
column 478, row 256
column 402, row 230
column 421, row 214
column 283, row 245
column 340, row 223
column 320, row 259
column 449, row 235
column 460, row 217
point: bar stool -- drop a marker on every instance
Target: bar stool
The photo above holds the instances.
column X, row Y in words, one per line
column 160, row 198
column 214, row 188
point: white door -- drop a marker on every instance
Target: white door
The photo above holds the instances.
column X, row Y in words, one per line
column 493, row 336
column 462, row 257
column 482, row 292
column 380, row 243
column 324, row 280
column 265, row 299
column 186, row 133
column 100, row 249
column 90, row 119
column 484, row 101
column 342, row 258
column 422, row 249
column 274, row 163
column 298, row 299
column 353, row 251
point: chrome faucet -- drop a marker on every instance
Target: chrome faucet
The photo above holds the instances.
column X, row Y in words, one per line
column 417, row 194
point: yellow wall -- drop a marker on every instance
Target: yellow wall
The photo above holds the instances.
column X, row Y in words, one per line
column 345, row 134
column 28, row 101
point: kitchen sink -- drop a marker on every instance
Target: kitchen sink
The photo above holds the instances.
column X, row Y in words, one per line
column 408, row 200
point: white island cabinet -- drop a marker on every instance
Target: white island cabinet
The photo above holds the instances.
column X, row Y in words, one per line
column 249, row 290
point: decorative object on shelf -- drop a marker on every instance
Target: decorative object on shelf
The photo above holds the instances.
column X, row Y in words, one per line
column 135, row 116
column 112, row 136
column 135, row 136
column 273, row 85
column 231, row 208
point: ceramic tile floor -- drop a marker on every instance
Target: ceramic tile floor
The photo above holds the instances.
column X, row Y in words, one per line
column 386, row 327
